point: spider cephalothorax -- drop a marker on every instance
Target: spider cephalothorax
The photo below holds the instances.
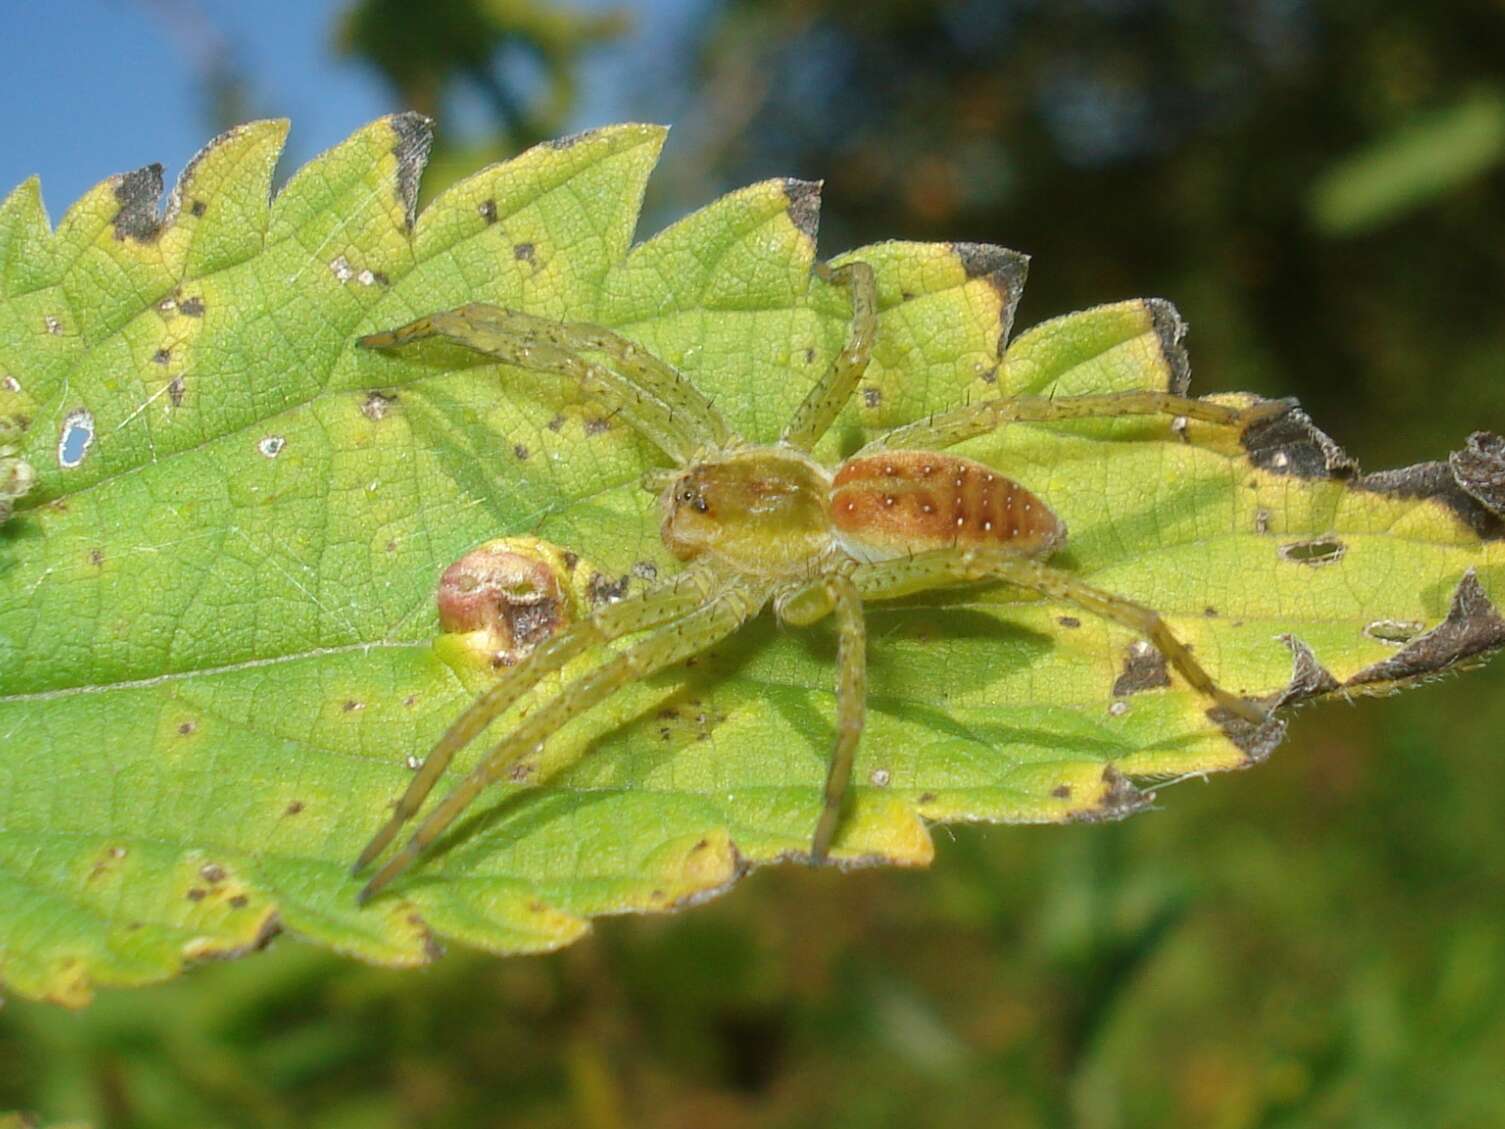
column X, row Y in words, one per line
column 761, row 525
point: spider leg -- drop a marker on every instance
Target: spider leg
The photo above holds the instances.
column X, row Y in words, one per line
column 841, row 595
column 670, row 643
column 825, row 401
column 652, row 397
column 946, row 429
column 890, row 579
column 649, row 609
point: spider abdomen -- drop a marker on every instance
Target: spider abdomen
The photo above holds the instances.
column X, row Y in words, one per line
column 909, row 501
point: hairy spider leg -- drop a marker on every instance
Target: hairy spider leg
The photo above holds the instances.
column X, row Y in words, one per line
column 946, row 429
column 670, row 643
column 653, row 399
column 686, row 403
column 824, row 402
column 886, row 580
column 640, row 612
column 837, row 593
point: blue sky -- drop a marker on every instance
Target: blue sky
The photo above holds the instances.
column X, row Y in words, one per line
column 95, row 87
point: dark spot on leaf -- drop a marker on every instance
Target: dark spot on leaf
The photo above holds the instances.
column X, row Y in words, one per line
column 415, row 133
column 487, row 209
column 391, row 546
column 989, row 375
column 1170, row 329
column 1292, row 444
column 555, row 424
column 520, row 772
column 872, row 397
column 191, row 307
column 380, row 278
column 523, row 252
column 212, row 873
column 804, row 206
column 1144, row 669
column 1061, row 791
column 571, row 560
column 186, row 728
column 52, row 325
column 520, row 451
column 1256, row 742
column 1069, row 621
column 1210, row 612
column 239, row 901
column 96, row 557
column 1472, row 629
column 195, row 894
column 196, row 208
column 162, row 356
column 927, row 798
column 700, row 846
column 295, row 807
column 645, row 570
column 1471, row 484
column 1261, row 521
column 175, row 391
column 603, row 591
column 906, row 295
column 410, row 701
column 351, row 705
column 809, row 356
column 376, row 404
column 1119, row 799
column 597, row 426
column 1316, row 552
column 137, row 194
column 1003, row 270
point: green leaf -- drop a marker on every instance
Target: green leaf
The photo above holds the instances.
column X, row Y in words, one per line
column 217, row 624
column 1411, row 166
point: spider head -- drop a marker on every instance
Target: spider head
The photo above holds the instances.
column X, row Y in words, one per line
column 762, row 511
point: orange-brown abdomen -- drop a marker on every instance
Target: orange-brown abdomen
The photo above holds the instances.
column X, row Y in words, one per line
column 910, row 501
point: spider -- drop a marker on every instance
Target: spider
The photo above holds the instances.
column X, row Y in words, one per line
column 769, row 525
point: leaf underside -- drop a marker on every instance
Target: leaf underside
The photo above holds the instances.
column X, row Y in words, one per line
column 217, row 626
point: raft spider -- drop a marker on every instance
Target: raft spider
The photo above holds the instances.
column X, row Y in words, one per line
column 760, row 525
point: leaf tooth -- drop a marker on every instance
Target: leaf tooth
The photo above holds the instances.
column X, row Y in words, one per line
column 492, row 202
column 218, row 211
column 25, row 239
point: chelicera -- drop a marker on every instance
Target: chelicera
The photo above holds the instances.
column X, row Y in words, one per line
column 760, row 526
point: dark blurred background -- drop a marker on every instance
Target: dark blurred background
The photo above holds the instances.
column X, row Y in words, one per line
column 1318, row 184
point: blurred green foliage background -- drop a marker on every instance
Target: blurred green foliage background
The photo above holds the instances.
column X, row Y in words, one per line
column 1321, row 942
